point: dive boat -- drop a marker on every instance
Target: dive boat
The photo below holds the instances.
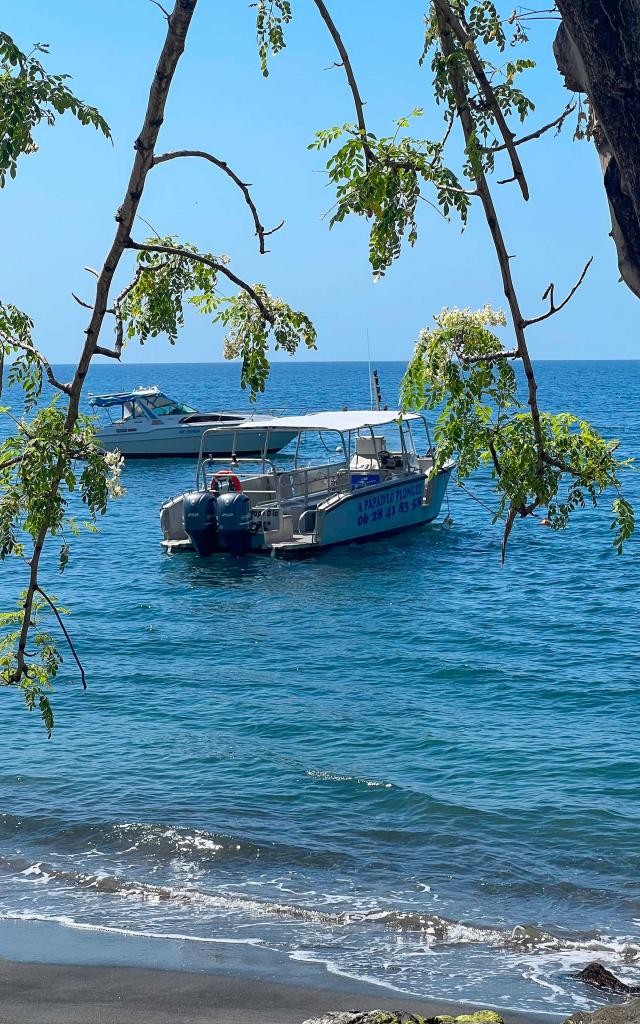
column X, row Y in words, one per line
column 146, row 423
column 363, row 491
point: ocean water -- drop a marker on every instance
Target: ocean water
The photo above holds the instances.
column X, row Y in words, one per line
column 399, row 760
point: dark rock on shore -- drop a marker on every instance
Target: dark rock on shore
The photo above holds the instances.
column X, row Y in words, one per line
column 398, row 1017
column 598, row 976
column 621, row 1013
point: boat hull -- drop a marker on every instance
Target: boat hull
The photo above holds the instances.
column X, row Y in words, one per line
column 373, row 514
column 184, row 442
column 363, row 515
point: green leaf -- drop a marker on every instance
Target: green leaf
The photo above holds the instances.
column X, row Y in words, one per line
column 28, row 96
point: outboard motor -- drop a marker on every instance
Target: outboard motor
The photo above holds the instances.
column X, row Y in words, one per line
column 200, row 521
column 233, row 511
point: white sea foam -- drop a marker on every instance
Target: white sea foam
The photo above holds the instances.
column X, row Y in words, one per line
column 315, row 773
column 69, row 922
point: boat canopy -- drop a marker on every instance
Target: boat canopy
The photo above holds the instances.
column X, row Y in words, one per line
column 104, row 401
column 340, row 421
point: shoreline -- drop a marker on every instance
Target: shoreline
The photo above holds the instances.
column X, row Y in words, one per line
column 51, row 974
column 34, row 993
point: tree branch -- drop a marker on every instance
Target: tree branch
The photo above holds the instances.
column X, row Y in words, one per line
column 165, row 12
column 468, row 45
column 172, row 49
column 494, row 457
column 119, row 345
column 11, row 462
column 559, row 121
column 461, row 95
column 490, row 357
column 55, row 611
column 65, row 388
column 351, row 78
column 80, row 302
column 242, row 185
column 550, row 295
column 174, row 250
column 508, row 526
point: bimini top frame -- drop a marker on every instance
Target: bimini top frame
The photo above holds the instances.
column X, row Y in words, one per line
column 343, row 422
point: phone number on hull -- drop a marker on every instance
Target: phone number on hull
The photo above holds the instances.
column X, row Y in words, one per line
column 390, row 503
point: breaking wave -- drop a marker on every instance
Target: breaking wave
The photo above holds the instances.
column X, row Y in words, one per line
column 431, row 928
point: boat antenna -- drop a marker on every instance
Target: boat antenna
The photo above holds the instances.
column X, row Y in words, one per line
column 370, row 377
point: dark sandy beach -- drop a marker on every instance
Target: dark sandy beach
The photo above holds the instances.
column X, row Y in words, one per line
column 59, row 975
column 63, row 994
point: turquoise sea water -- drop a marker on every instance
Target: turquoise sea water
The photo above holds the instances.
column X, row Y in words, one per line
column 400, row 760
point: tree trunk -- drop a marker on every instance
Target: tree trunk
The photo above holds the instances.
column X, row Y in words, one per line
column 597, row 49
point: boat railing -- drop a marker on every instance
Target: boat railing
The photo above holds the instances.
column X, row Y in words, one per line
column 234, row 462
column 305, row 482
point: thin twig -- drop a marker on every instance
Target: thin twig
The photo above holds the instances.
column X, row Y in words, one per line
column 242, row 185
column 549, row 294
column 55, row 611
column 445, row 139
column 80, row 301
column 559, row 121
column 166, row 13
column 149, row 225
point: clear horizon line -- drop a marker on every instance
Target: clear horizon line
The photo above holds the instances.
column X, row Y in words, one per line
column 315, row 362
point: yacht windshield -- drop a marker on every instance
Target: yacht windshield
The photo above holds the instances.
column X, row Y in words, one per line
column 164, row 406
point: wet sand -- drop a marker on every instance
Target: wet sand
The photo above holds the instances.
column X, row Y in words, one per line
column 64, row 994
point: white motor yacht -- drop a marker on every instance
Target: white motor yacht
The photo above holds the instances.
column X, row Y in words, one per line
column 146, row 423
column 364, row 490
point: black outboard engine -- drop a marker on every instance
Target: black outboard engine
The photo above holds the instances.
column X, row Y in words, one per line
column 200, row 521
column 233, row 511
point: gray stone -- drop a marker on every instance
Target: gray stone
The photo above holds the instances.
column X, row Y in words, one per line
column 621, row 1013
column 598, row 976
column 398, row 1017
column 347, row 1017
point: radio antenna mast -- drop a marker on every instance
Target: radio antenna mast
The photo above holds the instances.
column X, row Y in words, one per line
column 370, row 377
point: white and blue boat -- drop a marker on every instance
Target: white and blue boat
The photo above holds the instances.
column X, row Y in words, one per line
column 364, row 485
column 146, row 423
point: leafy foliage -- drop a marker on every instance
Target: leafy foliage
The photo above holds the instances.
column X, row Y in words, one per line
column 271, row 16
column 487, row 37
column 29, row 95
column 43, row 664
column 156, row 304
column 25, row 369
column 459, row 368
column 249, row 334
column 42, row 449
column 381, row 178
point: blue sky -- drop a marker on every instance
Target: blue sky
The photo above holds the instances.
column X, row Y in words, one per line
column 57, row 216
